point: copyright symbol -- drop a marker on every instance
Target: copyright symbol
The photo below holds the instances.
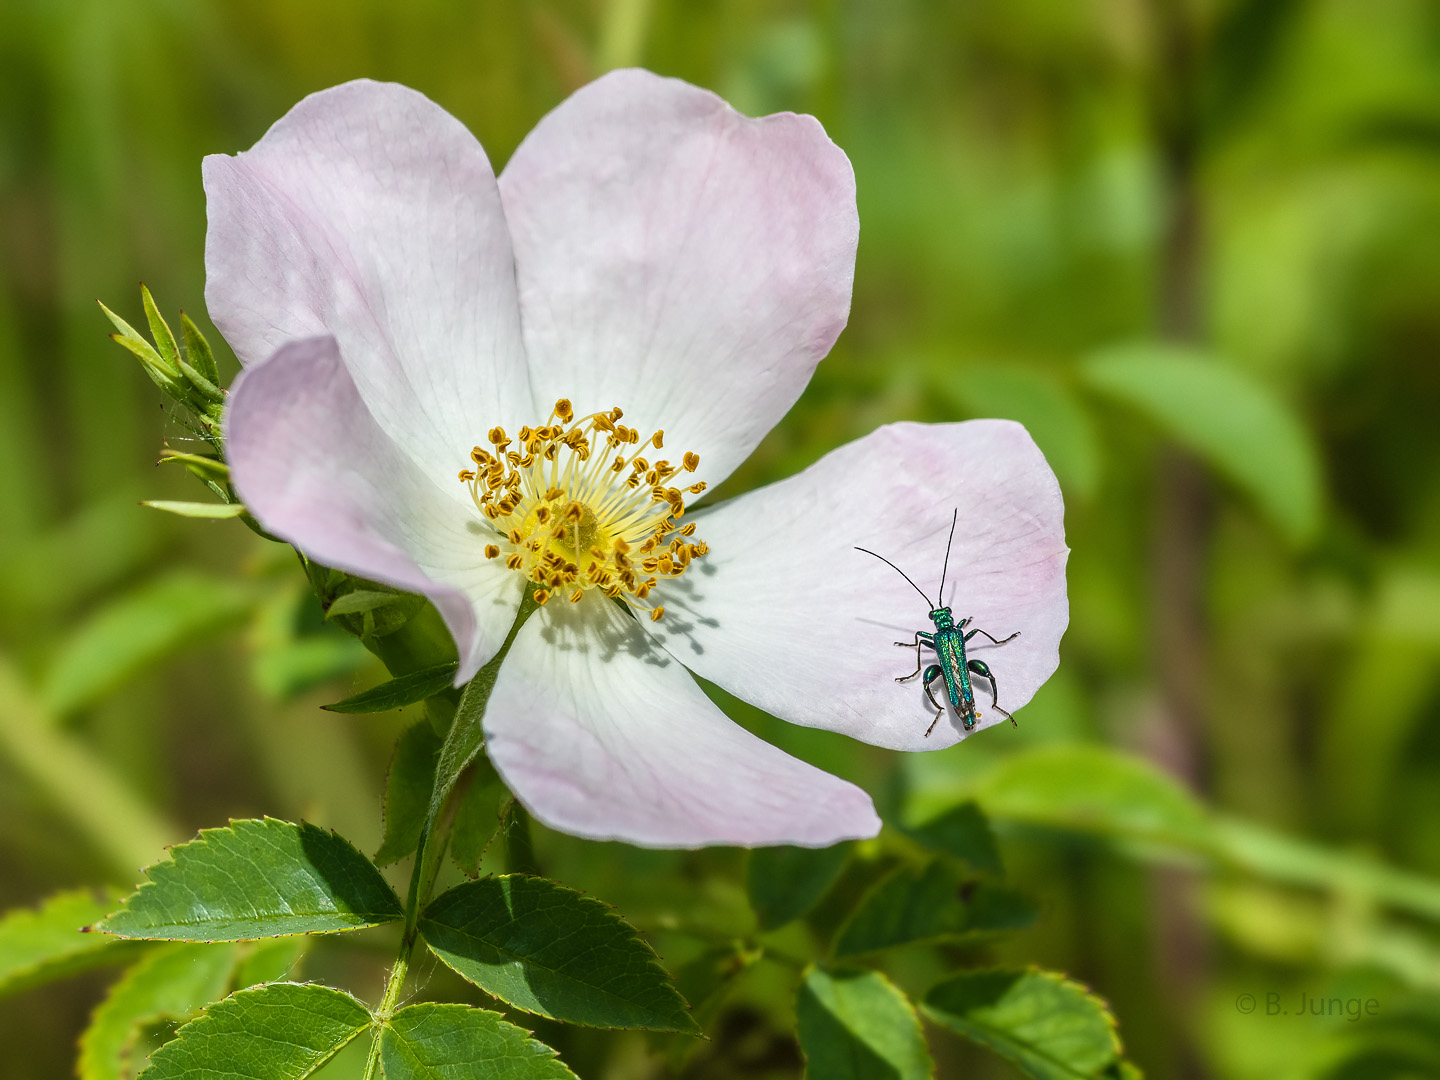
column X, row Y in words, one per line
column 1245, row 1003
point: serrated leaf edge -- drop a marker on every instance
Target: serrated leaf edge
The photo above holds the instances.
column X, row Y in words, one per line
column 653, row 960
column 910, row 1006
column 1111, row 1023
column 150, row 883
column 205, row 1015
column 554, row 1055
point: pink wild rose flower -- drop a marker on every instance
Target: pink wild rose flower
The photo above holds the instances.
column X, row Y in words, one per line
column 457, row 384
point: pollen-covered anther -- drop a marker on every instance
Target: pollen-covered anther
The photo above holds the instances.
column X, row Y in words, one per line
column 572, row 500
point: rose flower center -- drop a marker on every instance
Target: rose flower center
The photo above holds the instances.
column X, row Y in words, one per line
column 573, row 508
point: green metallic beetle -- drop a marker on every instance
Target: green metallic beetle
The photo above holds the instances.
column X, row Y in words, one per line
column 948, row 641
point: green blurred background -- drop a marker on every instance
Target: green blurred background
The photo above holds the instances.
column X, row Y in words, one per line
column 1195, row 247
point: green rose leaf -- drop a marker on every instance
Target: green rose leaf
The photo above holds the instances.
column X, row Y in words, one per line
column 257, row 879
column 549, row 950
column 1225, row 416
column 1097, row 789
column 855, row 1025
column 280, row 1031
column 1048, row 1026
column 964, row 832
column 480, row 806
column 39, row 945
column 924, row 903
column 785, row 882
column 407, row 791
column 406, row 690
column 452, row 1042
column 172, row 983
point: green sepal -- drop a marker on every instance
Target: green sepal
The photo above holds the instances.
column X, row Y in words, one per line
column 370, row 611
column 254, row 879
column 211, row 394
column 128, row 336
column 1046, row 1025
column 173, row 982
column 206, row 510
column 153, row 365
column 857, row 1025
column 201, row 357
column 160, row 331
column 199, row 464
column 434, row 1041
column 406, row 690
column 546, row 949
column 279, row 1031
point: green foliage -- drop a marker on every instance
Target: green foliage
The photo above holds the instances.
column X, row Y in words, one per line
column 139, row 629
column 407, row 791
column 1048, row 1026
column 1228, row 418
column 280, row 1031
column 376, row 611
column 1060, row 424
column 1094, row 788
column 482, row 803
column 915, row 904
column 963, row 833
column 466, row 735
column 173, row 982
column 406, row 690
column 41, row 944
column 549, row 950
column 856, row 1025
column 437, row 1042
column 1036, row 183
column 256, row 879
column 785, row 882
column 270, row 960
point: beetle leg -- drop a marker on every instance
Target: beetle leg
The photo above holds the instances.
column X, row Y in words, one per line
column 979, row 667
column 921, row 638
column 932, row 673
column 991, row 636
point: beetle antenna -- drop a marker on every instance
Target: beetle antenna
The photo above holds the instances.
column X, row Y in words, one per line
column 946, row 567
column 902, row 573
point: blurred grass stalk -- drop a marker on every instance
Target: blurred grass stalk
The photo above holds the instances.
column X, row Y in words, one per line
column 126, row 832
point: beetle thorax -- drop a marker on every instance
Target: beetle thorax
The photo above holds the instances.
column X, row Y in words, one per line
column 941, row 618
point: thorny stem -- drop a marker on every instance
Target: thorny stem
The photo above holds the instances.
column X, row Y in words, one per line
column 462, row 743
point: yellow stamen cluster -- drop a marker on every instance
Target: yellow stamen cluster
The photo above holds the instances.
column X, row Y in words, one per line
column 574, row 508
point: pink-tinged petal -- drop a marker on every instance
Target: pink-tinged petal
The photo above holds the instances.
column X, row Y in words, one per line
column 680, row 260
column 785, row 613
column 370, row 214
column 600, row 734
column 311, row 464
